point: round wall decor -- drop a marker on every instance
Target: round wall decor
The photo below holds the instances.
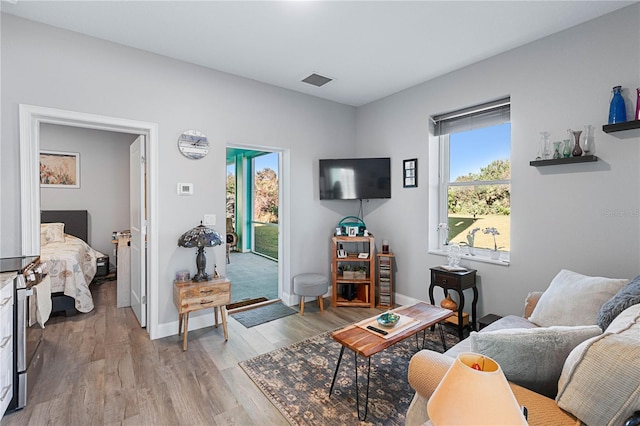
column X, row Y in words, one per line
column 193, row 144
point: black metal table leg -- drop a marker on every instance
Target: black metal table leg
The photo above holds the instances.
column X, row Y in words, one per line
column 335, row 374
column 424, row 339
column 444, row 343
column 366, row 401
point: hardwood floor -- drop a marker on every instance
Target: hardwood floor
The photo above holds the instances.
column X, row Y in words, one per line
column 101, row 368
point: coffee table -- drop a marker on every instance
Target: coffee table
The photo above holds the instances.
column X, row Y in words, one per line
column 368, row 343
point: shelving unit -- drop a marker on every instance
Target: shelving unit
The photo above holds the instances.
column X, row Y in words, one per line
column 619, row 127
column 384, row 291
column 568, row 160
column 348, row 290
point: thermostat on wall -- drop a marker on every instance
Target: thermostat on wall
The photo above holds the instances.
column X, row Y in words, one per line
column 185, row 189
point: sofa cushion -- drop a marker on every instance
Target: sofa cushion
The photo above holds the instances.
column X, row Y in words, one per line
column 574, row 299
column 599, row 381
column 627, row 296
column 532, row 357
column 509, row 321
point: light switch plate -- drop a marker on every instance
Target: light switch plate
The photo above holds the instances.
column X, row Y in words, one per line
column 209, row 219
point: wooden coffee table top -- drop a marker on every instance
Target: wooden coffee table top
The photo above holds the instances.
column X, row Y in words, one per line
column 367, row 343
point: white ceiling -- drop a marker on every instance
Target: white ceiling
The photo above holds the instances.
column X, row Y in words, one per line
column 371, row 48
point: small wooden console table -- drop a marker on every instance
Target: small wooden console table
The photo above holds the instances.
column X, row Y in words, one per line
column 457, row 281
column 192, row 296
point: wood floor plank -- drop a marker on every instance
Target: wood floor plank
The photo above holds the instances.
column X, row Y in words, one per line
column 101, row 368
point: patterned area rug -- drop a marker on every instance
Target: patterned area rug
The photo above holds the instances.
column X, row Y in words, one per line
column 296, row 379
column 256, row 316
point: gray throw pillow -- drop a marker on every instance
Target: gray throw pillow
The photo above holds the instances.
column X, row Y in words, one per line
column 574, row 299
column 532, row 357
column 628, row 295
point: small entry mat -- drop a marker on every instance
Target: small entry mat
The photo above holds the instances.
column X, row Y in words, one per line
column 256, row 316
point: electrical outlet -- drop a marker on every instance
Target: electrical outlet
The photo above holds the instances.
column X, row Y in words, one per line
column 209, row 219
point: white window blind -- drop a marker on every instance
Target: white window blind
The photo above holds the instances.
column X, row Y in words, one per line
column 484, row 115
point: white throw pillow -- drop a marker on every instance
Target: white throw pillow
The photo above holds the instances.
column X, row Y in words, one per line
column 532, row 357
column 574, row 299
column 599, row 381
column 51, row 233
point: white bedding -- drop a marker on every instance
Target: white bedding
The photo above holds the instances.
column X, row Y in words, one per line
column 72, row 266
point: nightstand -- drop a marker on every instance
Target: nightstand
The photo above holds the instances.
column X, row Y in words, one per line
column 457, row 281
column 193, row 296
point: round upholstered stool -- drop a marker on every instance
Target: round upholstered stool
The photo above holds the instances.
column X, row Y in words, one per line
column 312, row 285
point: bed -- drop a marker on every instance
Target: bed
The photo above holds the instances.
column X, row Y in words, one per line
column 71, row 261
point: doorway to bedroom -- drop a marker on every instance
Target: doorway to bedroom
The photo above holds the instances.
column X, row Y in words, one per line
column 31, row 119
column 103, row 189
column 253, row 200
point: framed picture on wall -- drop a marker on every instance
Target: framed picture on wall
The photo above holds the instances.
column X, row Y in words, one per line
column 59, row 169
column 410, row 173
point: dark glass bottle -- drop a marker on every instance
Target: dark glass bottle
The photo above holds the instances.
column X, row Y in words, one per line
column 577, row 151
column 617, row 109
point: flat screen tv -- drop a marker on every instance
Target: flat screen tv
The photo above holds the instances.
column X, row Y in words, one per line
column 355, row 178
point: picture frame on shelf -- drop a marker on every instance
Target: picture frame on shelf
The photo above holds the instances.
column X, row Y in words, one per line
column 353, row 231
column 410, row 173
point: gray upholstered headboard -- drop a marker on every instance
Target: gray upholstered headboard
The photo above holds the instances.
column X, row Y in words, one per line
column 76, row 222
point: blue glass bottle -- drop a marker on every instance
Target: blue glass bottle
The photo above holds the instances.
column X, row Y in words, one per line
column 617, row 110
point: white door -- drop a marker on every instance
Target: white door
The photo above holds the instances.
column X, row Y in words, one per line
column 137, row 221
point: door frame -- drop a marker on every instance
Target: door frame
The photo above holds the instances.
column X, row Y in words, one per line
column 31, row 117
column 284, row 226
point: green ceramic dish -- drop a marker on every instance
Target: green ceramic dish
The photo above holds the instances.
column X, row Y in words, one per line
column 388, row 319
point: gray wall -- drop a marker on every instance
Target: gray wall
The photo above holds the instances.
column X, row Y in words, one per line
column 562, row 217
column 580, row 217
column 104, row 180
column 45, row 66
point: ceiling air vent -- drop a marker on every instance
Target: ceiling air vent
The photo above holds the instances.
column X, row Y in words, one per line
column 317, row 80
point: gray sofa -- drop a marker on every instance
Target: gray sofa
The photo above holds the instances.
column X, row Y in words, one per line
column 563, row 374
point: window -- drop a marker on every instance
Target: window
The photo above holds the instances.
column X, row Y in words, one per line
column 474, row 180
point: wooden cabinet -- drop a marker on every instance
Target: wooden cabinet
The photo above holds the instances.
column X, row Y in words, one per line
column 192, row 296
column 353, row 276
column 6, row 340
column 385, row 287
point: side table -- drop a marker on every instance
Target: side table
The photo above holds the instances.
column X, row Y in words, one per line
column 192, row 296
column 457, row 281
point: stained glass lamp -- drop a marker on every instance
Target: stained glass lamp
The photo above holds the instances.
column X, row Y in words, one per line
column 200, row 237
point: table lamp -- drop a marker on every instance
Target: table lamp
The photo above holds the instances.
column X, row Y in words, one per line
column 474, row 391
column 200, row 237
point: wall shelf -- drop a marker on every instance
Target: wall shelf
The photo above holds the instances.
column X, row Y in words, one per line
column 568, row 160
column 619, row 127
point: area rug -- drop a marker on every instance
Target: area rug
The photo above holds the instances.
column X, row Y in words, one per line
column 296, row 379
column 260, row 315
